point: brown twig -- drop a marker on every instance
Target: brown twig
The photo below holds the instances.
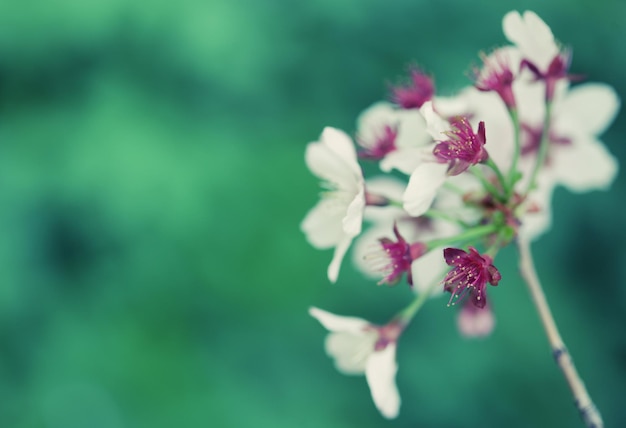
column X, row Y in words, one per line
column 582, row 400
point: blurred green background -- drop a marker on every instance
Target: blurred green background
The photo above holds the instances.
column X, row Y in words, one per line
column 151, row 186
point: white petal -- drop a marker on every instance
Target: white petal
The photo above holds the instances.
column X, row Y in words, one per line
column 422, row 188
column 534, row 224
column 435, row 125
column 323, row 224
column 339, row 323
column 428, row 269
column 380, row 373
column 404, row 160
column 340, row 252
column 387, row 186
column 368, row 246
column 354, row 214
column 411, row 129
column 584, row 166
column 532, row 36
column 351, row 351
column 342, row 145
column 458, row 105
column 513, row 26
column 373, row 121
column 588, row 108
column 333, row 159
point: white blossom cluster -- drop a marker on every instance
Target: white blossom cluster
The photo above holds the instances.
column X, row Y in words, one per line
column 475, row 169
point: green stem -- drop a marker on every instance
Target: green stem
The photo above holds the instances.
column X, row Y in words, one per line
column 513, row 173
column 443, row 216
column 468, row 235
column 454, row 188
column 543, row 148
column 407, row 314
column 486, row 184
column 505, row 185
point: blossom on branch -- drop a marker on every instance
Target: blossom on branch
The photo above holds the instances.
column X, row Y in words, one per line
column 394, row 258
column 359, row 347
column 367, row 255
column 450, row 157
column 392, row 136
column 338, row 216
column 497, row 74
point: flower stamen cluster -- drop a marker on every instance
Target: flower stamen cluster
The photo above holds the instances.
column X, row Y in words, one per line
column 464, row 148
column 470, row 275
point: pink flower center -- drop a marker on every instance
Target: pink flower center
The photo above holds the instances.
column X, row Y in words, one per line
column 531, row 140
column 464, row 148
column 471, row 273
column 381, row 145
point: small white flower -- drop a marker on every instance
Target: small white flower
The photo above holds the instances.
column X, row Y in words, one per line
column 426, row 269
column 338, row 216
column 393, row 136
column 359, row 347
column 583, row 163
column 532, row 36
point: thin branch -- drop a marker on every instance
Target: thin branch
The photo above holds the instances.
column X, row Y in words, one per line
column 582, row 400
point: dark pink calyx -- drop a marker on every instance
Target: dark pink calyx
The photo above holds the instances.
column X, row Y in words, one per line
column 470, row 275
column 464, row 148
column 416, row 92
column 388, row 334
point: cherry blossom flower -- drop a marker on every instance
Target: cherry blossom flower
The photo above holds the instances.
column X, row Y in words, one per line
column 464, row 148
column 396, row 257
column 497, row 74
column 414, row 94
column 542, row 55
column 359, row 347
column 532, row 36
column 471, row 273
column 395, row 137
column 449, row 157
column 367, row 254
column 576, row 158
column 430, row 175
column 337, row 218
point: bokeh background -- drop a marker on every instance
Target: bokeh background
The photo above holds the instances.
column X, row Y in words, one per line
column 152, row 182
